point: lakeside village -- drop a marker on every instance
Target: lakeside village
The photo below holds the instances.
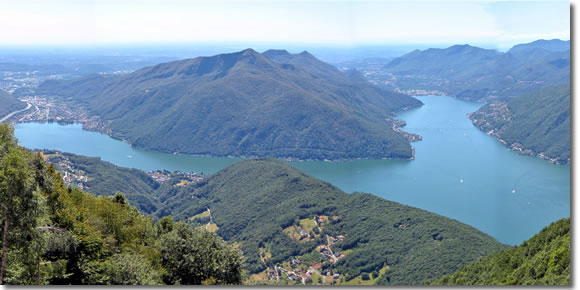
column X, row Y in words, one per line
column 76, row 177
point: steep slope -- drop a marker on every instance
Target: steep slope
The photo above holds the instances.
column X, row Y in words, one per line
column 9, row 104
column 270, row 208
column 247, row 104
column 542, row 260
column 104, row 178
column 537, row 123
column 473, row 73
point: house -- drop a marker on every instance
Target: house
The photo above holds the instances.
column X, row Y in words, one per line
column 336, row 276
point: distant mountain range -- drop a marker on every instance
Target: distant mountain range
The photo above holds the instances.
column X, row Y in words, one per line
column 474, row 73
column 537, row 123
column 246, row 104
column 269, row 209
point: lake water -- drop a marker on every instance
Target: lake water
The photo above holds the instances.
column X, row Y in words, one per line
column 459, row 171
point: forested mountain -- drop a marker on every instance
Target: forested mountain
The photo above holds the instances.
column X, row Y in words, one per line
column 263, row 205
column 9, row 104
column 537, row 123
column 246, row 104
column 544, row 259
column 473, row 73
column 260, row 202
column 52, row 234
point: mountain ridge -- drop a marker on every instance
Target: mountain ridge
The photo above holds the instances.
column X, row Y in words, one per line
column 477, row 74
column 246, row 104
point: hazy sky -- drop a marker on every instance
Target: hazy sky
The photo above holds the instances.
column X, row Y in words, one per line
column 499, row 23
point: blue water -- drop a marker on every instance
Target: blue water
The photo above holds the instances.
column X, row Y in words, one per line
column 459, row 171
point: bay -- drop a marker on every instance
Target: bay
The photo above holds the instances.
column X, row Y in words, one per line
column 458, row 171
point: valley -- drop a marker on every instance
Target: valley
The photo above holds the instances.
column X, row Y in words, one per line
column 286, row 143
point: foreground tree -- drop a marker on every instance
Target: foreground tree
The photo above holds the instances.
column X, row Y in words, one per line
column 194, row 256
column 19, row 201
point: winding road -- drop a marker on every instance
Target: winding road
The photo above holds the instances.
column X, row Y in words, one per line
column 15, row 112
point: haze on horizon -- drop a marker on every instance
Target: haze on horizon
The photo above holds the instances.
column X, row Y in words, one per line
column 498, row 24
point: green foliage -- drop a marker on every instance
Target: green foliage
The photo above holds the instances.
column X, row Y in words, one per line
column 247, row 199
column 131, row 269
column 208, row 260
column 246, row 104
column 105, row 178
column 60, row 235
column 544, row 259
column 20, row 209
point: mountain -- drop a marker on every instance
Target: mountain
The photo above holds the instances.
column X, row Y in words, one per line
column 9, row 104
column 537, row 123
column 246, row 104
column 542, row 260
column 270, row 208
column 263, row 205
column 476, row 74
column 456, row 61
column 554, row 45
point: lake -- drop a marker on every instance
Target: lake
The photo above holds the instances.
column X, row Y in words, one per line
column 458, row 171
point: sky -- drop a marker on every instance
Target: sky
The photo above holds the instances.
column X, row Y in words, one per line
column 325, row 22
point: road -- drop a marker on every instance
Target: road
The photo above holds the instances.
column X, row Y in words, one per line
column 15, row 112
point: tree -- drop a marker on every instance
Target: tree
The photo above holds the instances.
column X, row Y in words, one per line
column 19, row 201
column 193, row 257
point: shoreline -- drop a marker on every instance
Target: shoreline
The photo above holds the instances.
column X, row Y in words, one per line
column 104, row 131
column 517, row 147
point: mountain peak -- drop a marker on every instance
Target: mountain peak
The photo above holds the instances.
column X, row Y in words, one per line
column 249, row 51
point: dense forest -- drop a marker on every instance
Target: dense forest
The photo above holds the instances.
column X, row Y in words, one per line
column 54, row 234
column 544, row 259
column 535, row 123
column 245, row 104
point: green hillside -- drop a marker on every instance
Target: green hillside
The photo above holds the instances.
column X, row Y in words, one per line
column 53, row 234
column 262, row 203
column 542, row 260
column 246, row 104
column 536, row 123
column 9, row 104
column 104, row 178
